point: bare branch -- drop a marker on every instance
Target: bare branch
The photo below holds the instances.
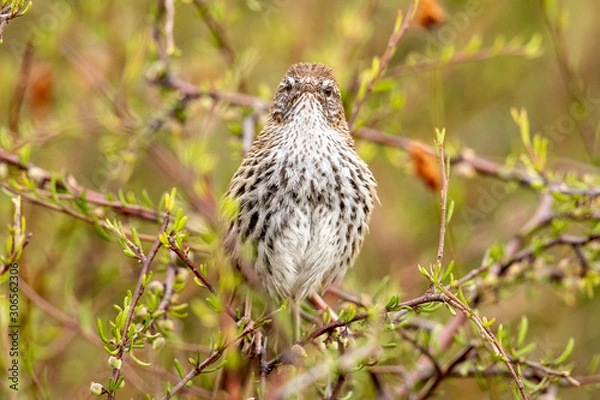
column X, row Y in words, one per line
column 385, row 59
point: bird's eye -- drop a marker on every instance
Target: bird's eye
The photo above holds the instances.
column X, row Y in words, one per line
column 288, row 85
column 328, row 90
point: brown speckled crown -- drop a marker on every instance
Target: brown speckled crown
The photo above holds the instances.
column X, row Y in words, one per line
column 310, row 69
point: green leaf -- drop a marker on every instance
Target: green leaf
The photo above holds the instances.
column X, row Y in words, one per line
column 447, row 54
column 392, row 303
column 170, row 200
column 130, row 253
column 487, row 323
column 565, row 354
column 101, row 331
column 474, row 45
column 498, row 45
column 146, row 200
column 451, row 309
column 522, row 122
column 25, row 154
column 450, row 212
column 522, row 331
column 138, row 361
column 180, row 224
column 525, row 350
column 440, row 135
column 135, row 239
column 398, row 23
column 215, row 368
column 448, row 271
column 533, row 48
column 100, row 230
column 375, row 64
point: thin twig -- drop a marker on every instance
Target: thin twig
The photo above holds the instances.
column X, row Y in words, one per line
column 459, row 358
column 186, row 260
column 480, row 165
column 169, row 24
column 573, row 84
column 576, row 242
column 70, row 212
column 385, row 59
column 74, row 191
column 443, row 203
column 218, row 31
column 139, row 290
column 458, row 58
column 216, row 354
column 14, row 108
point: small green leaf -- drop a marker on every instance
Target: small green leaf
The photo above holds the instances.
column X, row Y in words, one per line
column 525, row 350
column 440, row 135
column 450, row 212
column 522, row 331
column 398, row 23
column 447, row 54
column 489, row 323
column 566, row 353
column 474, row 45
column 215, row 368
column 533, row 48
column 448, row 271
column 138, row 361
column 135, row 239
column 451, row 310
column 130, row 253
column 499, row 43
column 101, row 331
column 376, row 63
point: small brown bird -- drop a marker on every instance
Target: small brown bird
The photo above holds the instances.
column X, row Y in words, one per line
column 304, row 196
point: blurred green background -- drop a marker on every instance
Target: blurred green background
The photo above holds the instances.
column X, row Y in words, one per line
column 89, row 102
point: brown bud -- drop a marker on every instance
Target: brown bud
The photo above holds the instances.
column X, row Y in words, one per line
column 430, row 13
column 426, row 166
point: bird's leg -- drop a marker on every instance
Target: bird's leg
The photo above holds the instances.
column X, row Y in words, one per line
column 323, row 306
column 296, row 320
column 343, row 332
column 248, row 306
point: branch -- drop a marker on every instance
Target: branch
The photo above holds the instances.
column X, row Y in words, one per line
column 74, row 191
column 186, row 260
column 215, row 355
column 576, row 242
column 385, row 59
column 14, row 108
column 443, row 196
column 573, row 84
column 480, row 165
column 462, row 57
column 139, row 290
column 218, row 31
column 10, row 11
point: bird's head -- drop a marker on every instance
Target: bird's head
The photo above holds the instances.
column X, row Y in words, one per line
column 308, row 88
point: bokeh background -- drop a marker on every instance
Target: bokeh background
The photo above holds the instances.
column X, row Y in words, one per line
column 89, row 102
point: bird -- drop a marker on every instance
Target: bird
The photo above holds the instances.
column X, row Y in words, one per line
column 303, row 196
